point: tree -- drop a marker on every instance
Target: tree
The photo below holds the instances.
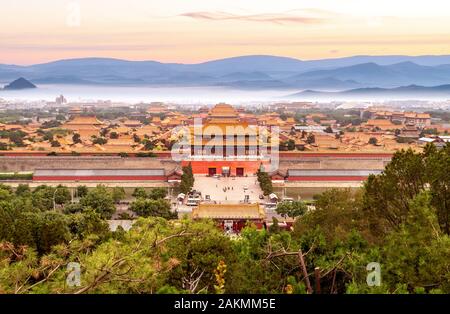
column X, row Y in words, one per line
column 53, row 229
column 89, row 222
column 187, row 179
column 328, row 129
column 17, row 138
column 113, row 135
column 148, row 145
column 275, row 227
column 6, row 192
column 337, row 214
column 82, row 190
column 417, row 254
column 23, row 189
column 41, row 230
column 118, row 194
column 45, row 197
column 62, row 195
column 388, row 195
column 100, row 140
column 437, row 173
column 101, row 200
column 291, row 209
column 265, row 182
column 311, row 139
column 373, row 141
column 139, row 193
column 157, row 193
column 73, row 208
column 50, row 124
column 76, row 138
column 152, row 208
column 290, row 144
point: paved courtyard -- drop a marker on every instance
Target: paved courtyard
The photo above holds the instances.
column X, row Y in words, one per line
column 228, row 189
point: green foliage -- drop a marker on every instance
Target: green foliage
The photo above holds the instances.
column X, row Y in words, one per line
column 118, row 194
column 291, row 209
column 157, row 193
column 73, row 208
column 16, row 137
column 114, row 135
column 46, row 198
column 388, row 195
column 154, row 208
column 40, row 231
column 82, row 190
column 99, row 140
column 139, row 193
column 16, row 176
column 142, row 154
column 373, row 141
column 437, row 173
column 417, row 254
column 23, row 190
column 88, row 223
column 100, row 200
column 187, row 179
column 328, row 129
column 76, row 138
column 311, row 139
column 264, row 181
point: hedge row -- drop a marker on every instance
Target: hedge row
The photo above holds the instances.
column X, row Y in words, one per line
column 16, row 176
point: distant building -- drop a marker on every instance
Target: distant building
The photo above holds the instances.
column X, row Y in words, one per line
column 420, row 120
column 409, row 133
column 60, row 100
column 231, row 217
column 85, row 126
column 157, row 108
column 225, row 144
column 381, row 124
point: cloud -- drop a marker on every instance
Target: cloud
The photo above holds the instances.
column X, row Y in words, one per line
column 278, row 18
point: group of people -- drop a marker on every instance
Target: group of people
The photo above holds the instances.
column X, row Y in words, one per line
column 226, row 188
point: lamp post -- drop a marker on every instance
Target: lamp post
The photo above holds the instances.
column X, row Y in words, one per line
column 54, row 196
column 54, row 202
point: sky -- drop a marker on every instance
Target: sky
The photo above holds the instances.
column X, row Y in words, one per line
column 191, row 31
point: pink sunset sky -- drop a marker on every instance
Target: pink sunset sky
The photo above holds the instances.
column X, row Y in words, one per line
column 200, row 30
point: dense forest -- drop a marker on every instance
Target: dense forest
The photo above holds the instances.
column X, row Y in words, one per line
column 399, row 219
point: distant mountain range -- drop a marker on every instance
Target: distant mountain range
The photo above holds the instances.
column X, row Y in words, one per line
column 245, row 72
column 19, row 84
column 413, row 91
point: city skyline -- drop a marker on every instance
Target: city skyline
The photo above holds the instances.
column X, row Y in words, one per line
column 176, row 31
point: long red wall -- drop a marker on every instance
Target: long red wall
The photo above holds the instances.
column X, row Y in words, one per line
column 99, row 178
column 201, row 167
column 328, row 178
column 338, row 155
column 167, row 154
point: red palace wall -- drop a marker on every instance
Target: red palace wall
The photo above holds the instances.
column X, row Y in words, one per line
column 330, row 178
column 238, row 225
column 99, row 178
column 201, row 167
column 338, row 155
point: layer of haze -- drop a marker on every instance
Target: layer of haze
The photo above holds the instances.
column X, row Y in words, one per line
column 198, row 30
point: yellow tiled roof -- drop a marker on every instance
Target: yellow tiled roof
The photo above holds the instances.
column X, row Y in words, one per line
column 229, row 211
